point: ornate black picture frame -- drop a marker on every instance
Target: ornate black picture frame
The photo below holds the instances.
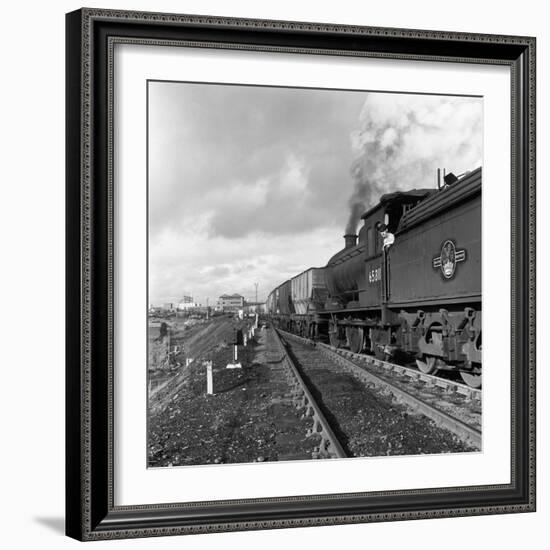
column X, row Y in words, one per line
column 90, row 510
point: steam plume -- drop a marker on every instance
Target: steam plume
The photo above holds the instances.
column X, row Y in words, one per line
column 360, row 199
column 402, row 139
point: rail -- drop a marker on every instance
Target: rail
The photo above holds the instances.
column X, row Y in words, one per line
column 415, row 374
column 463, row 431
column 330, row 446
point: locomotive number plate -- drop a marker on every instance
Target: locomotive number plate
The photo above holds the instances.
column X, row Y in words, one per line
column 375, row 275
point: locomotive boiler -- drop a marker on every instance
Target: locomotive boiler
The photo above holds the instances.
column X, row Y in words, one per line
column 407, row 286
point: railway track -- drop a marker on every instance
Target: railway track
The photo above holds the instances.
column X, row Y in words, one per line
column 451, row 386
column 329, row 446
column 451, row 406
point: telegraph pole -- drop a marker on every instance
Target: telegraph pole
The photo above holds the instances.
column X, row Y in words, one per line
column 256, row 286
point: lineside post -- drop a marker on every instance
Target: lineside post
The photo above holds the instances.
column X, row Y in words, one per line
column 209, row 378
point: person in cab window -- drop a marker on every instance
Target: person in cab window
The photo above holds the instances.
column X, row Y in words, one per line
column 387, row 238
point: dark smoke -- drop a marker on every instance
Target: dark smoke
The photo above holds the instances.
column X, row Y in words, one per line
column 401, row 141
column 360, row 199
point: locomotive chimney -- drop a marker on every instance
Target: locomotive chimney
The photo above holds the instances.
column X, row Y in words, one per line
column 350, row 239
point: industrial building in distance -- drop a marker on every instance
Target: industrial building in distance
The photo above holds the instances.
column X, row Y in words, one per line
column 230, row 302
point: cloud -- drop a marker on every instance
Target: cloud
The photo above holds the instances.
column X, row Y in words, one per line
column 404, row 138
column 242, row 209
column 213, row 266
column 254, row 149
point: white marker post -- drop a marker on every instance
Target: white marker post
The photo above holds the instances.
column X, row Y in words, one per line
column 188, row 361
column 245, row 339
column 235, row 364
column 209, row 378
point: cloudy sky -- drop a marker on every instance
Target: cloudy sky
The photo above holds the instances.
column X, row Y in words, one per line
column 255, row 184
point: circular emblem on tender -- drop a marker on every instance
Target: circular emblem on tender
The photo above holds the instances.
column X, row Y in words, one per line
column 448, row 259
column 448, row 262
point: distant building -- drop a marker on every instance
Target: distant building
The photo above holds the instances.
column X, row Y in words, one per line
column 169, row 306
column 230, row 302
column 186, row 303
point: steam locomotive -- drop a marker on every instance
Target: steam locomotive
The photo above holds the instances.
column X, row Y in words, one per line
column 407, row 287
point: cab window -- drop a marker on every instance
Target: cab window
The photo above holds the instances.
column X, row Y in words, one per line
column 369, row 242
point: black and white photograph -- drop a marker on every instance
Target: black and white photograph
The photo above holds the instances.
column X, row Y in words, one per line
column 314, row 274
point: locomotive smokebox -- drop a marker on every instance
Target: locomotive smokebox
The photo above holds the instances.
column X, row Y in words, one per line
column 350, row 240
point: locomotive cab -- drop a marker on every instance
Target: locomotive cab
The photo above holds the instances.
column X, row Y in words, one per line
column 388, row 213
